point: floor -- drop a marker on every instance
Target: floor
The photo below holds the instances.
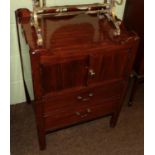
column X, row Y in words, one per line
column 92, row 138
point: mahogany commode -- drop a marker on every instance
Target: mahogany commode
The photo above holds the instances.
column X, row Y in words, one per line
column 80, row 73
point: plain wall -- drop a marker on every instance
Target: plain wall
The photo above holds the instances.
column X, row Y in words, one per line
column 16, row 79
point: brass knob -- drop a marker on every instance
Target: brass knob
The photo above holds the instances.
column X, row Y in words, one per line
column 88, row 110
column 79, row 97
column 85, row 99
column 90, row 94
column 91, row 73
column 85, row 115
column 78, row 113
column 81, row 115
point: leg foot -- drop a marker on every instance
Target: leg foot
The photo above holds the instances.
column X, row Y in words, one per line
column 133, row 90
column 113, row 120
column 40, row 124
column 42, row 140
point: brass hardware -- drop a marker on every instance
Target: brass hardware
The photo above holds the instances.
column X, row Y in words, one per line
column 91, row 73
column 90, row 94
column 79, row 97
column 133, row 74
column 85, row 99
column 83, row 115
column 88, row 110
column 34, row 22
column 78, row 113
column 41, row 3
column 104, row 9
column 82, row 99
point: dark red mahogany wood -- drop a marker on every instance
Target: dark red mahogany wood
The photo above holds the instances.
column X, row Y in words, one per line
column 81, row 72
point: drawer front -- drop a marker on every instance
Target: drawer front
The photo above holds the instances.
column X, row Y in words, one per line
column 90, row 96
column 62, row 101
column 69, row 116
column 102, row 93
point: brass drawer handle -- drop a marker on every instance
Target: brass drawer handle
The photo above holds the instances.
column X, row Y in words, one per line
column 90, row 94
column 92, row 73
column 89, row 97
column 85, row 99
column 83, row 115
column 79, row 97
column 88, row 110
column 78, row 113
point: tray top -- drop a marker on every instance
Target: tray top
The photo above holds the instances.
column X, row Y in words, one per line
column 71, row 31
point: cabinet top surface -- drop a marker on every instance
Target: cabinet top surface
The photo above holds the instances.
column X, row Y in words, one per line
column 80, row 31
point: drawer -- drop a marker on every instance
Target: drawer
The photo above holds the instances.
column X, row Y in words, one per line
column 102, row 93
column 69, row 116
column 63, row 101
column 89, row 96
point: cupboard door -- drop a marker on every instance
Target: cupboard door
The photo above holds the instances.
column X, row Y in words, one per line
column 109, row 66
column 64, row 73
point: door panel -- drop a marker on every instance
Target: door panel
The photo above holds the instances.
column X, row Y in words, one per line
column 108, row 66
column 64, row 74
